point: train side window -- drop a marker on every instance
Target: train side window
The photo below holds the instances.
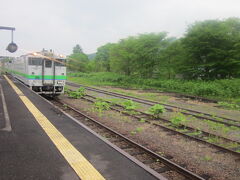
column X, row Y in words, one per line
column 35, row 61
column 48, row 63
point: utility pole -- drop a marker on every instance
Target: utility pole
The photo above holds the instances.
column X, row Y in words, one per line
column 12, row 47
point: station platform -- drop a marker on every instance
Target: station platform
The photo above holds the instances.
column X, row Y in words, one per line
column 37, row 141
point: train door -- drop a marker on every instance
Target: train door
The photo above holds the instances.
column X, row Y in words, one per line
column 48, row 72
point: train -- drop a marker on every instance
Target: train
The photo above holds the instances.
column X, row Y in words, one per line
column 44, row 72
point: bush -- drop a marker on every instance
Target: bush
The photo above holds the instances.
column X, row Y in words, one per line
column 218, row 89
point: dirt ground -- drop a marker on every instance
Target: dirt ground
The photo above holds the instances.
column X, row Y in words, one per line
column 217, row 129
column 195, row 156
column 174, row 99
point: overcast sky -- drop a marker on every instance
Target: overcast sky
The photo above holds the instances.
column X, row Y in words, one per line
column 61, row 24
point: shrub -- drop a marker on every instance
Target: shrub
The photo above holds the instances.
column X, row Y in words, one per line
column 220, row 89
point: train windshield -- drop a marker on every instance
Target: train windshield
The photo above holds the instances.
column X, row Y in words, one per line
column 35, row 61
column 48, row 63
column 60, row 64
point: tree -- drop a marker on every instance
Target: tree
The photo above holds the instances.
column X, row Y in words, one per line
column 171, row 60
column 138, row 55
column 103, row 57
column 78, row 61
column 77, row 49
column 122, row 56
column 210, row 46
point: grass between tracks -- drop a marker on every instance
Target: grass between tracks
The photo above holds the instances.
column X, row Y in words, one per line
column 222, row 90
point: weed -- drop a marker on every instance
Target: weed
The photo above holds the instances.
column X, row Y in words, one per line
column 214, row 126
column 227, row 105
column 101, row 105
column 161, row 153
column 213, row 139
column 207, row 158
column 137, row 130
column 195, row 133
column 65, row 106
column 230, row 145
column 129, row 105
column 142, row 120
column 178, row 120
column 225, row 89
column 156, row 110
column 77, row 94
column 66, row 90
column 182, row 130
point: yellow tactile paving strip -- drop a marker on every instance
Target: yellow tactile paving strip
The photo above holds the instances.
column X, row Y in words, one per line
column 77, row 161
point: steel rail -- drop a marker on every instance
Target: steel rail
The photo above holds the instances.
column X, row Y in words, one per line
column 167, row 162
column 195, row 138
column 168, row 107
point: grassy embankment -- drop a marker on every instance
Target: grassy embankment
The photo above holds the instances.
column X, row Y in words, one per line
column 222, row 90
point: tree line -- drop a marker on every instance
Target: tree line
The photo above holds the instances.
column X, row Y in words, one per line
column 208, row 50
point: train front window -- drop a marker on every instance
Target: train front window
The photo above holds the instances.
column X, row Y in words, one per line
column 35, row 61
column 60, row 64
column 48, row 64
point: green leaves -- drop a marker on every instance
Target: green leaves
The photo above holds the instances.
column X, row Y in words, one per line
column 78, row 61
column 76, row 94
column 209, row 45
column 156, row 110
column 100, row 105
column 178, row 120
column 129, row 105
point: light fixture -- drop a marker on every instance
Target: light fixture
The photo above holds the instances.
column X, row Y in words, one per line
column 12, row 47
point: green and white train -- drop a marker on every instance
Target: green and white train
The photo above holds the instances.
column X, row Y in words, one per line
column 43, row 72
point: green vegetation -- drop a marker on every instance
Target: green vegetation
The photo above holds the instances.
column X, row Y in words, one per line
column 76, row 94
column 195, row 133
column 225, row 89
column 178, row 120
column 214, row 126
column 100, row 105
column 65, row 106
column 207, row 158
column 204, row 62
column 142, row 120
column 129, row 105
column 78, row 61
column 156, row 110
column 213, row 139
column 227, row 105
column 137, row 130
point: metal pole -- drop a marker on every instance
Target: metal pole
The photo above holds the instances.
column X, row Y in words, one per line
column 12, row 36
column 7, row 28
column 12, row 47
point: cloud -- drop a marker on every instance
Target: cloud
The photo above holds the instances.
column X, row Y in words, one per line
column 60, row 24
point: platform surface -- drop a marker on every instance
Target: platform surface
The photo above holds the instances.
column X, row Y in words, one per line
column 27, row 152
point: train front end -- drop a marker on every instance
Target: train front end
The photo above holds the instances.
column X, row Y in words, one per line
column 46, row 73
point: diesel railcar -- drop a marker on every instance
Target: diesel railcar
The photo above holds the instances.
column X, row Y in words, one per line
column 43, row 72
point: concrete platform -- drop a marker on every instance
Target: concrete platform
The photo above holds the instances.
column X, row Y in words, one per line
column 27, row 152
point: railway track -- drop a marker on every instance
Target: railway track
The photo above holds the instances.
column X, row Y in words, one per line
column 162, row 165
column 171, row 108
column 189, row 132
